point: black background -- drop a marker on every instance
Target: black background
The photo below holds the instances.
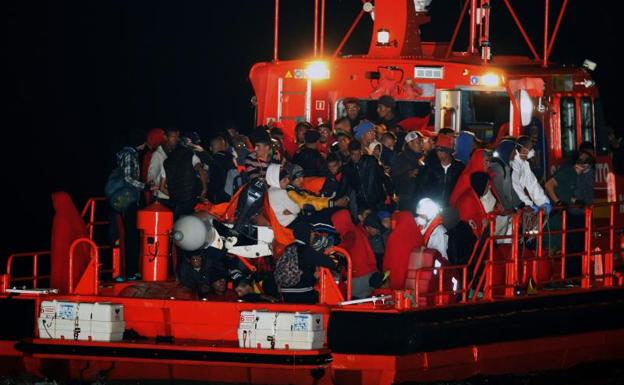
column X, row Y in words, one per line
column 77, row 74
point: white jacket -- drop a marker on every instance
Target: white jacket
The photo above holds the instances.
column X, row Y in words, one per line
column 522, row 178
column 278, row 198
column 155, row 168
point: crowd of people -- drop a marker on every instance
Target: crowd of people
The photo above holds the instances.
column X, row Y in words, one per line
column 378, row 188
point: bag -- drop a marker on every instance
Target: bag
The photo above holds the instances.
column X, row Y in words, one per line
column 119, row 193
column 287, row 272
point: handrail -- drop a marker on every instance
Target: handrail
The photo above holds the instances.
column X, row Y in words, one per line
column 35, row 277
column 90, row 208
column 347, row 256
column 95, row 258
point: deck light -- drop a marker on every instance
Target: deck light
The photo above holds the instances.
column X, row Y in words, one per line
column 490, row 80
column 383, row 37
column 317, row 70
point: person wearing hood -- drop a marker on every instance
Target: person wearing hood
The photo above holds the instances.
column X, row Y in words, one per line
column 405, row 238
column 500, row 174
column 479, row 162
column 285, row 209
column 406, row 169
column 464, row 144
column 524, row 182
column 295, row 270
column 475, row 204
column 365, row 133
column 354, row 239
column 430, row 222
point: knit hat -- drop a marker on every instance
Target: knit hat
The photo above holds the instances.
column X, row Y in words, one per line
column 362, row 128
column 260, row 135
column 294, row 171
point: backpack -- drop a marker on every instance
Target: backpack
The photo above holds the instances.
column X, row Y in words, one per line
column 287, row 272
column 119, row 193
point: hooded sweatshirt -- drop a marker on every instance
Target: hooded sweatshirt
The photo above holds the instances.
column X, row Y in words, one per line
column 354, row 239
column 475, row 164
column 402, row 241
column 285, row 209
column 523, row 178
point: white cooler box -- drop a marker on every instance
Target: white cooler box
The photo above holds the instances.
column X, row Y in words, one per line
column 273, row 330
column 81, row 321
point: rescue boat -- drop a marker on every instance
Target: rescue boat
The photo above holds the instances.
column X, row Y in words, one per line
column 67, row 318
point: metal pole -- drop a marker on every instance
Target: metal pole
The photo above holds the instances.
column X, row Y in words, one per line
column 276, row 30
column 556, row 31
column 315, row 27
column 322, row 46
column 348, row 34
column 522, row 31
column 449, row 50
column 473, row 26
column 546, row 13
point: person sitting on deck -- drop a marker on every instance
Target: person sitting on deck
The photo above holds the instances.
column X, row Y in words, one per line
column 194, row 274
column 295, row 270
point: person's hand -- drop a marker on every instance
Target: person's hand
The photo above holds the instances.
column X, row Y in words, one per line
column 547, row 208
column 413, row 173
column 534, row 209
column 154, row 188
column 341, row 202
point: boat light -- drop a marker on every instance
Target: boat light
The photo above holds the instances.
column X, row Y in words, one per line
column 383, row 37
column 490, row 80
column 317, row 70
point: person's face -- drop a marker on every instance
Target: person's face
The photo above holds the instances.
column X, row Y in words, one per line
column 372, row 231
column 217, row 146
column 383, row 111
column 243, row 289
column 428, row 144
column 443, row 156
column 171, row 140
column 284, row 183
column 388, row 142
column 380, row 129
column 369, row 136
column 232, row 131
column 416, row 145
column 353, row 110
column 377, row 151
column 262, row 149
column 301, row 130
column 298, row 182
column 196, row 261
column 487, row 158
column 524, row 151
column 333, row 167
column 343, row 143
column 219, row 286
column 325, row 134
column 362, row 216
column 355, row 155
column 343, row 126
column 387, row 223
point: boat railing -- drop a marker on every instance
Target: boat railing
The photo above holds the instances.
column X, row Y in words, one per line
column 329, row 290
column 522, row 263
column 93, row 222
column 30, row 281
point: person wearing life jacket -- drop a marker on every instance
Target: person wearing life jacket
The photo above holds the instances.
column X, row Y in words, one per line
column 404, row 238
column 475, row 204
column 354, row 239
column 295, row 270
column 430, row 222
column 524, row 182
column 479, row 162
column 464, row 145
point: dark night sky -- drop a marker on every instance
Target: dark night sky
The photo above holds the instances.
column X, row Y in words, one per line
column 79, row 73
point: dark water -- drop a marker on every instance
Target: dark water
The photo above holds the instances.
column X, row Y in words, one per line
column 599, row 373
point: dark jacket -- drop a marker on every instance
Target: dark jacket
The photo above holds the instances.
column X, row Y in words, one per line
column 196, row 280
column 310, row 160
column 367, row 179
column 221, row 163
column 182, row 180
column 406, row 161
column 438, row 184
column 335, row 186
column 387, row 156
column 309, row 259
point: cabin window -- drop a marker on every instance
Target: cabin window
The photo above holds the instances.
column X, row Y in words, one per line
column 587, row 120
column 483, row 113
column 602, row 139
column 568, row 126
column 404, row 109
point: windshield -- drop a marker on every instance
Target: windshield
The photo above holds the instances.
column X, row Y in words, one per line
column 404, row 109
column 483, row 112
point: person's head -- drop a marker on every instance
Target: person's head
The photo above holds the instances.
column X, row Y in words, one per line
column 155, row 138
column 312, row 138
column 296, row 174
column 172, row 137
column 374, row 149
column 428, row 141
column 426, row 210
column 414, row 141
column 231, row 129
column 333, row 163
column 365, row 132
column 325, row 131
column 480, row 182
column 242, row 287
column 355, row 151
column 262, row 143
column 300, row 130
column 586, row 146
column 385, row 106
column 196, row 260
column 524, row 147
column 343, row 138
column 504, row 150
column 444, row 148
column 363, row 213
column 584, row 162
column 385, row 219
column 218, row 281
column 284, row 179
column 373, row 225
column 277, row 134
column 217, row 144
column 380, row 129
column 388, row 140
column 343, row 124
column 352, row 106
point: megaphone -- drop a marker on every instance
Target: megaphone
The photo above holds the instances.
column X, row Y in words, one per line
column 194, row 232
